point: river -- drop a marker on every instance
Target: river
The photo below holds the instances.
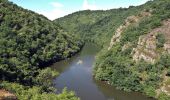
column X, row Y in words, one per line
column 76, row 75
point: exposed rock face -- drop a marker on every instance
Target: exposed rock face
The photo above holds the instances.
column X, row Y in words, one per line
column 165, row 87
column 5, row 95
column 126, row 46
column 167, row 47
column 130, row 20
column 147, row 49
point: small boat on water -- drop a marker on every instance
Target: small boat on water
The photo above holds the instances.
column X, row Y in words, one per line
column 79, row 62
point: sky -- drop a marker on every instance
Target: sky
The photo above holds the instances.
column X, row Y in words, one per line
column 54, row 9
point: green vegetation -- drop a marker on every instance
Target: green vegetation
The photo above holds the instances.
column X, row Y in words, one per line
column 28, row 43
column 118, row 68
column 163, row 97
column 36, row 93
column 96, row 26
column 161, row 40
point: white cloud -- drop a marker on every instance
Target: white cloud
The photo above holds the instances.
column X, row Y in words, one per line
column 87, row 6
column 55, row 13
column 58, row 9
column 56, row 4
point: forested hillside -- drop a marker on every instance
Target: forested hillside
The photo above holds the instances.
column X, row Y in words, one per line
column 97, row 26
column 135, row 54
column 138, row 59
column 29, row 42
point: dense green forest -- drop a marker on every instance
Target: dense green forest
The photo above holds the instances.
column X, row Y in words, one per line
column 28, row 43
column 117, row 66
column 96, row 26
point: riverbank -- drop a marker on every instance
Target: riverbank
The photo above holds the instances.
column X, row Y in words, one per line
column 79, row 78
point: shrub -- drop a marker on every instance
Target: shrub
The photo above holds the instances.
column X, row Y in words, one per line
column 160, row 40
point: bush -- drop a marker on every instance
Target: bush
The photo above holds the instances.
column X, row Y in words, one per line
column 163, row 96
column 36, row 93
column 45, row 77
column 150, row 91
column 160, row 40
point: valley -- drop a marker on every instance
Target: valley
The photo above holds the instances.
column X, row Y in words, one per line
column 119, row 54
column 79, row 78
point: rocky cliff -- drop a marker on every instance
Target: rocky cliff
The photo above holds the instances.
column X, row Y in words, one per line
column 129, row 21
column 147, row 48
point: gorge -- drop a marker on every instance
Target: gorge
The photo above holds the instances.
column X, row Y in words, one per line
column 119, row 54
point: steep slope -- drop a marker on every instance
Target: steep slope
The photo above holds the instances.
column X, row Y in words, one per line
column 129, row 21
column 138, row 57
column 153, row 44
column 29, row 42
column 96, row 26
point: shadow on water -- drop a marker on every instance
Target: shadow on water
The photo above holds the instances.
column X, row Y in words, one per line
column 76, row 75
column 111, row 92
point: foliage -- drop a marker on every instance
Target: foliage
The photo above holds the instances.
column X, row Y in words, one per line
column 44, row 78
column 163, row 96
column 165, row 60
column 118, row 68
column 36, row 93
column 96, row 26
column 161, row 40
column 28, row 43
column 150, row 91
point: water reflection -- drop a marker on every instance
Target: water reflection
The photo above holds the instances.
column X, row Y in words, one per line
column 76, row 75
